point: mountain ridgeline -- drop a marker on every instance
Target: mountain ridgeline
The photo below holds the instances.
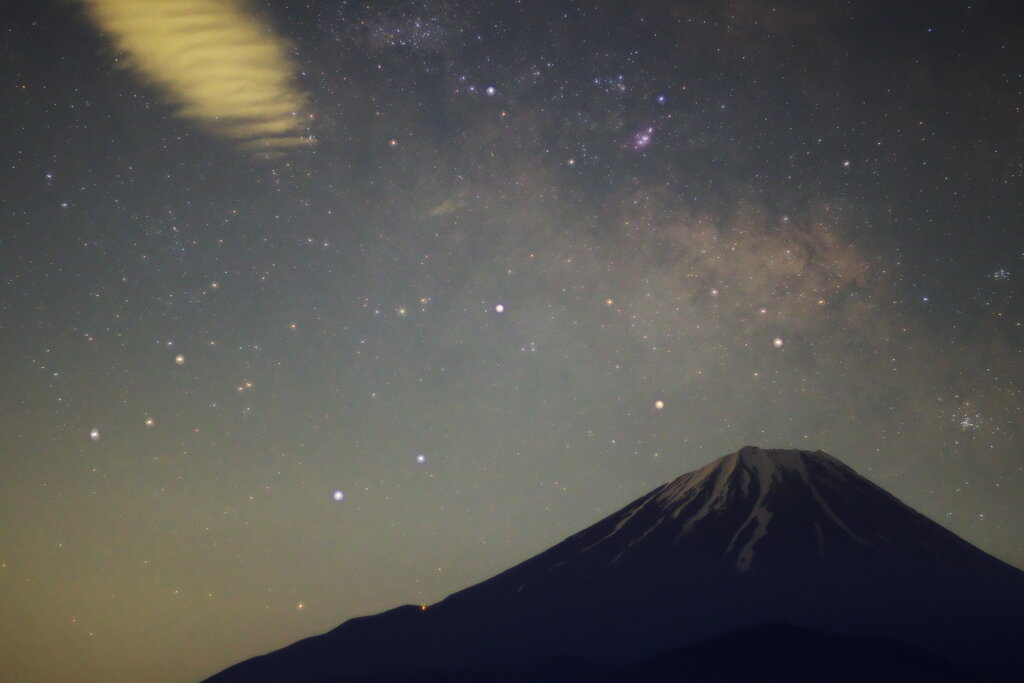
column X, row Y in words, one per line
column 782, row 564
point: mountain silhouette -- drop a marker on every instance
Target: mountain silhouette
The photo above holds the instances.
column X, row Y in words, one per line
column 794, row 542
column 780, row 652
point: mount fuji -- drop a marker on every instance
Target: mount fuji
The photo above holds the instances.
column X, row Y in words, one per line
column 763, row 562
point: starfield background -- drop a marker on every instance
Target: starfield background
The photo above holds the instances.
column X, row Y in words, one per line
column 308, row 310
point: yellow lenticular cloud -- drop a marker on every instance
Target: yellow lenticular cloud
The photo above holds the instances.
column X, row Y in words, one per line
column 222, row 67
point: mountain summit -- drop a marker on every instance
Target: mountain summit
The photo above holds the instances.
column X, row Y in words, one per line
column 781, row 507
column 758, row 537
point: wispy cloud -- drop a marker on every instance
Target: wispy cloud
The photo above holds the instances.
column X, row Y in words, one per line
column 221, row 66
column 448, row 206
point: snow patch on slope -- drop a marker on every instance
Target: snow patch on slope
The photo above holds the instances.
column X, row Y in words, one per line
column 718, row 476
column 759, row 515
column 770, row 464
column 628, row 515
column 837, row 521
column 744, row 479
column 636, row 540
column 762, row 516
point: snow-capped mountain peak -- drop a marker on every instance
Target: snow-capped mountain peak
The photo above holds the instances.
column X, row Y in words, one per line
column 758, row 536
column 750, row 468
column 741, row 494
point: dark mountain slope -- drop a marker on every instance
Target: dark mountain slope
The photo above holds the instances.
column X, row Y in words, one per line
column 759, row 536
column 777, row 652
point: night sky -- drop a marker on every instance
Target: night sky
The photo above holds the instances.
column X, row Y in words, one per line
column 312, row 309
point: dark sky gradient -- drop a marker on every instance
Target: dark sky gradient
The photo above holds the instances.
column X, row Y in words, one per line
column 668, row 230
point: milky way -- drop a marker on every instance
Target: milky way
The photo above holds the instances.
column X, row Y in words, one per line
column 437, row 284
